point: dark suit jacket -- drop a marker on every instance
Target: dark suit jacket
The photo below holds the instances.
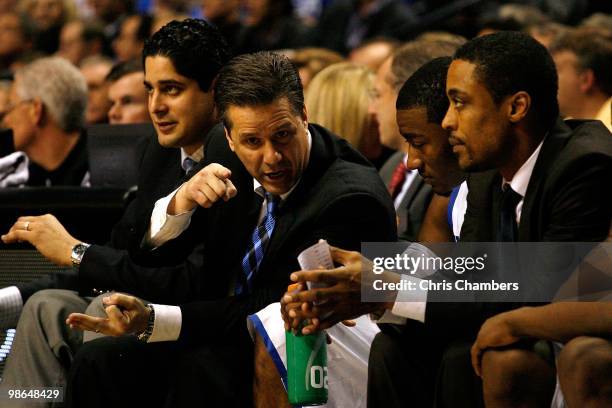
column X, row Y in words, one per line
column 413, row 207
column 568, row 199
column 340, row 198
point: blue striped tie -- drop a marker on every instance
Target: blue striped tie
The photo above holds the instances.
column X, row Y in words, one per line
column 259, row 240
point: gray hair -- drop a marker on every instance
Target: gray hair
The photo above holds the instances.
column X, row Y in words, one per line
column 61, row 88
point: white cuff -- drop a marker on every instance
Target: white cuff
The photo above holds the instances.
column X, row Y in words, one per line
column 167, row 323
column 163, row 226
column 11, row 305
column 409, row 304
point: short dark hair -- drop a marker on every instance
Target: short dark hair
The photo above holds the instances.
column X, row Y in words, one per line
column 510, row 61
column 409, row 57
column 258, row 79
column 427, row 88
column 121, row 69
column 196, row 48
column 593, row 50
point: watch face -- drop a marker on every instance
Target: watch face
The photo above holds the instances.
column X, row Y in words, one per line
column 77, row 253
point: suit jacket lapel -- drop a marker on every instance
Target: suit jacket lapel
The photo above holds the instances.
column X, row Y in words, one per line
column 551, row 147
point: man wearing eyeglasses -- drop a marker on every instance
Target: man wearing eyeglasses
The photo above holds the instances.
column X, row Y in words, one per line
column 46, row 114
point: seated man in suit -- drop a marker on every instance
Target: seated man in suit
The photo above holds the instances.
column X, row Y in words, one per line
column 46, row 113
column 558, row 174
column 43, row 347
column 421, row 106
column 275, row 186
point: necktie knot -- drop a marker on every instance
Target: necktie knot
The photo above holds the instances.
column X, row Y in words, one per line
column 272, row 202
column 188, row 164
column 510, row 198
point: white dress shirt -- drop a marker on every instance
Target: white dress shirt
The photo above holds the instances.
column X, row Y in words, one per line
column 411, row 304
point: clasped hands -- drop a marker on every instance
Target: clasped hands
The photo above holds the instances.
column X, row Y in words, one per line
column 338, row 301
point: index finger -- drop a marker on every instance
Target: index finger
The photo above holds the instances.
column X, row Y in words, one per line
column 342, row 256
column 219, row 171
column 313, row 295
column 85, row 322
column 321, row 275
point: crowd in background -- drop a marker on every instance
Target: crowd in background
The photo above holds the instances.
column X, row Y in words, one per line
column 361, row 34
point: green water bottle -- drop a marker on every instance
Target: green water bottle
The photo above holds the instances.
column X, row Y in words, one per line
column 306, row 368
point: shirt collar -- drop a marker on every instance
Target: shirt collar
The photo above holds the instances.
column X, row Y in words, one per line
column 196, row 156
column 259, row 189
column 521, row 178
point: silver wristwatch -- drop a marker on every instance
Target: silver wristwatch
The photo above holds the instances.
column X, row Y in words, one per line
column 77, row 253
column 148, row 331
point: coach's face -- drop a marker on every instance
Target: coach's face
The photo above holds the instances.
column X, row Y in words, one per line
column 271, row 141
column 479, row 128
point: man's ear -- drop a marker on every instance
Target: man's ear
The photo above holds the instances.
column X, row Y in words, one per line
column 38, row 112
column 305, row 117
column 229, row 138
column 518, row 106
column 587, row 80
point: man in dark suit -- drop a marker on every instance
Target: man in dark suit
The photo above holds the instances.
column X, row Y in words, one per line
column 183, row 97
column 558, row 176
column 294, row 183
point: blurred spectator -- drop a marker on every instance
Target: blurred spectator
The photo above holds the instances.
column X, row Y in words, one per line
column 442, row 36
column 391, row 76
column 546, row 33
column 127, row 94
column 225, row 15
column 270, row 25
column 48, row 17
column 338, row 99
column 584, row 64
column 8, row 5
column 110, row 12
column 134, row 30
column 95, row 70
column 372, row 53
column 46, row 113
column 345, row 24
column 310, row 61
column 15, row 39
column 598, row 20
column 164, row 11
column 79, row 40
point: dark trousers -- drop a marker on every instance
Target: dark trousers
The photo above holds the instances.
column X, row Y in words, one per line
column 409, row 367
column 118, row 372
